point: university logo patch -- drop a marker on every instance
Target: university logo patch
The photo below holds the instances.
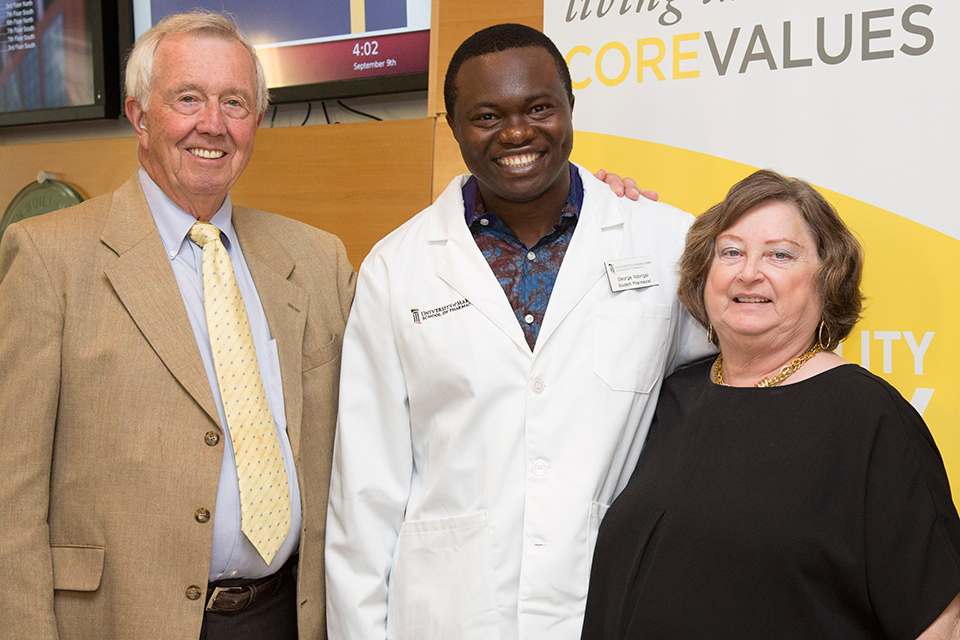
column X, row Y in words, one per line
column 421, row 316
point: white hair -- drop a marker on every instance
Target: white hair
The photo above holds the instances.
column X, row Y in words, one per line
column 197, row 23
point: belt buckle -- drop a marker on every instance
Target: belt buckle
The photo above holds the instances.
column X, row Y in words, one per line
column 230, row 590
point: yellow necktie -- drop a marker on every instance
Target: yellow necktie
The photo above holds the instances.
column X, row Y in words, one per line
column 264, row 495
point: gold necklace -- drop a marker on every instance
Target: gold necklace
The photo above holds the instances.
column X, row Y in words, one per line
column 785, row 372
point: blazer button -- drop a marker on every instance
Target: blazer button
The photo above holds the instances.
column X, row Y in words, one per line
column 202, row 515
column 193, row 592
column 211, row 438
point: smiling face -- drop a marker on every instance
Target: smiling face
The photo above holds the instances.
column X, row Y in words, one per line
column 762, row 285
column 513, row 122
column 198, row 134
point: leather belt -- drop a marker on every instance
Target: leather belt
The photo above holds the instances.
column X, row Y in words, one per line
column 233, row 599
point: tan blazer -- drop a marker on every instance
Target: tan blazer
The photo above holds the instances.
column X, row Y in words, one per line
column 107, row 419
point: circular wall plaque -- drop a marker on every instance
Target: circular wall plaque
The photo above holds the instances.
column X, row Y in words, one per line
column 37, row 198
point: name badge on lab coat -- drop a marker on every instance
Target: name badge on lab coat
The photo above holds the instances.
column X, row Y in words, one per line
column 631, row 273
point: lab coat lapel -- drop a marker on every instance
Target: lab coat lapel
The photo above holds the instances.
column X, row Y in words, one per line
column 143, row 280
column 596, row 239
column 463, row 267
column 284, row 304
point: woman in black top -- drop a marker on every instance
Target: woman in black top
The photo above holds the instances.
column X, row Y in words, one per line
column 783, row 492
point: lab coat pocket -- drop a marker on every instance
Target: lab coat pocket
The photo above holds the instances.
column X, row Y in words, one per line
column 77, row 567
column 630, row 344
column 441, row 586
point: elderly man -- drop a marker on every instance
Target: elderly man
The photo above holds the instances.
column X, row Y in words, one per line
column 170, row 383
column 500, row 371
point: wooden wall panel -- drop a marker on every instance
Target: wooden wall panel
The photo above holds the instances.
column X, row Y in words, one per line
column 447, row 161
column 358, row 181
column 93, row 167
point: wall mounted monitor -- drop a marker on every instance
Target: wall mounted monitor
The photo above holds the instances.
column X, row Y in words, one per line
column 59, row 61
column 324, row 49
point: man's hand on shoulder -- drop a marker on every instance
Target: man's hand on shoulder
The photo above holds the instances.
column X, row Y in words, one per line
column 625, row 186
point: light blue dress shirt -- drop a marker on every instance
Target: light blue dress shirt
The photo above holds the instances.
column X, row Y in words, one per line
column 233, row 556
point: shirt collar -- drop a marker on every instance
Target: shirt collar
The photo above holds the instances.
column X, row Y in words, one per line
column 174, row 223
column 475, row 209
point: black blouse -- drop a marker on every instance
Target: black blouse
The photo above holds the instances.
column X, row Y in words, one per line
column 819, row 509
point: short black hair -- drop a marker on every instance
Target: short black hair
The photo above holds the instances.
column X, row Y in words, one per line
column 500, row 37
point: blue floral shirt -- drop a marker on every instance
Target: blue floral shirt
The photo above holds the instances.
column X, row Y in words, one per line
column 527, row 274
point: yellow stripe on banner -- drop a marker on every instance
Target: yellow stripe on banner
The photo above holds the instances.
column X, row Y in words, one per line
column 358, row 16
column 686, row 179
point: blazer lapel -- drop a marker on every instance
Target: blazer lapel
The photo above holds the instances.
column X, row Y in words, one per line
column 144, row 282
column 463, row 267
column 284, row 303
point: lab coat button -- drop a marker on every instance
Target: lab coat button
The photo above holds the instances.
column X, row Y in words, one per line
column 528, row 318
column 539, row 385
column 540, row 468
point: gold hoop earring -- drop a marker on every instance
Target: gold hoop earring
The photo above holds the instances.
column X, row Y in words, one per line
column 710, row 333
column 820, row 342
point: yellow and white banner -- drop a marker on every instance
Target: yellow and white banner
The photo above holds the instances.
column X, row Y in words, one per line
column 859, row 97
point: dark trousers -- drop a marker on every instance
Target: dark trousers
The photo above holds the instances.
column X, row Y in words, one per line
column 273, row 618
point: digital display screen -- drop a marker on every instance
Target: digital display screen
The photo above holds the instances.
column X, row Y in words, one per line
column 324, row 48
column 46, row 55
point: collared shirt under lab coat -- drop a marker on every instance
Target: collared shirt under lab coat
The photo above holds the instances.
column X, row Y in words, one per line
column 470, row 475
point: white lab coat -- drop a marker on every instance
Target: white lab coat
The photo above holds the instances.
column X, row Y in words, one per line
column 470, row 474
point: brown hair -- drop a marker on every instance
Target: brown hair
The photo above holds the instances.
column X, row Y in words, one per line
column 841, row 256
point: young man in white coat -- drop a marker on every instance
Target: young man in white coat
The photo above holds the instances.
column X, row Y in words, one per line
column 500, row 370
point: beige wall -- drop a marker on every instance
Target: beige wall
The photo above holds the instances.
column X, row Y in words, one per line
column 358, row 181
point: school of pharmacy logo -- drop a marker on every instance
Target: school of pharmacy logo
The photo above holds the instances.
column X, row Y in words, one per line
column 420, row 316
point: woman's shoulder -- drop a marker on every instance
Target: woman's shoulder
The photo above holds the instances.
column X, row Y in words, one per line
column 861, row 386
column 687, row 385
column 862, row 398
column 696, row 372
column 856, row 396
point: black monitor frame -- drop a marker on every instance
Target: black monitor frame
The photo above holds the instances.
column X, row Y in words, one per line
column 112, row 36
column 339, row 89
column 314, row 92
column 103, row 26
